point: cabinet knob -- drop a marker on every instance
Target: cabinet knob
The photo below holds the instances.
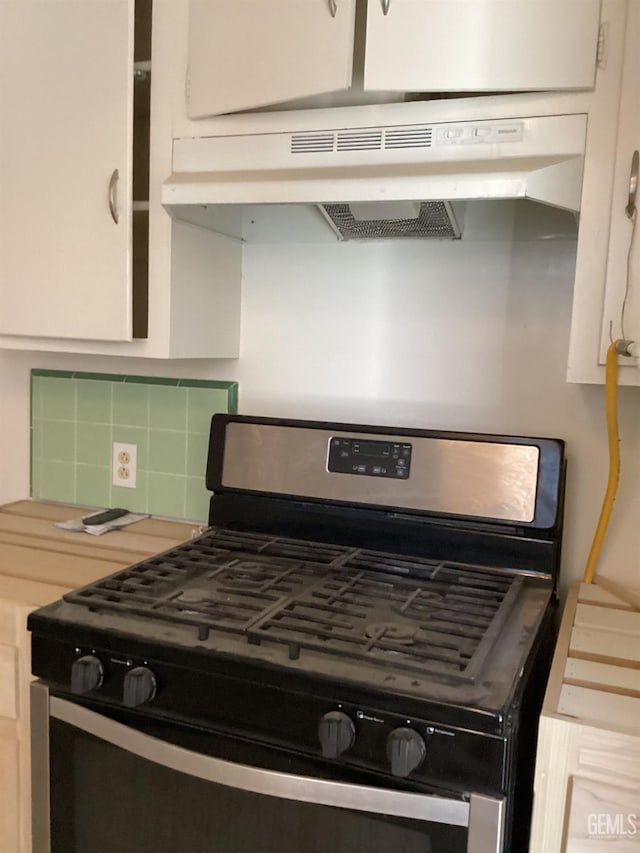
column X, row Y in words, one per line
column 333, row 7
column 385, row 6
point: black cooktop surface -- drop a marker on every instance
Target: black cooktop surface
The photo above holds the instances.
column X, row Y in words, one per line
column 434, row 630
column 418, row 615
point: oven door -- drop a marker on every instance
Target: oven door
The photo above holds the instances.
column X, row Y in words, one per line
column 101, row 786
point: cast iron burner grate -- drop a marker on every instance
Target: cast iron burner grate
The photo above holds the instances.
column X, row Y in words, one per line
column 411, row 613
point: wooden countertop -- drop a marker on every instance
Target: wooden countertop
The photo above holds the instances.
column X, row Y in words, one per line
column 39, row 562
column 595, row 677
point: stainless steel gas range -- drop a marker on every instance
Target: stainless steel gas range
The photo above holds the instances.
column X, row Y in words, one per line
column 351, row 658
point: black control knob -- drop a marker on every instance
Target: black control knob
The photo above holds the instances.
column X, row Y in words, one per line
column 86, row 674
column 406, row 751
column 139, row 686
column 336, row 733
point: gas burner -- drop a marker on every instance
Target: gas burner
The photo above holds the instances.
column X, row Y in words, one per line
column 193, row 595
column 424, row 597
column 393, row 632
column 245, row 573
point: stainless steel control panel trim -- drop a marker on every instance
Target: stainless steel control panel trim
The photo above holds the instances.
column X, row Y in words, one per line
column 477, row 479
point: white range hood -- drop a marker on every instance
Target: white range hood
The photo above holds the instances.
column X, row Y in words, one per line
column 534, row 157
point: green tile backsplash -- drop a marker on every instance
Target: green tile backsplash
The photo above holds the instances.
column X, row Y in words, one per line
column 76, row 417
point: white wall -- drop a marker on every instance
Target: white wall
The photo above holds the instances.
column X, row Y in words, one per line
column 470, row 335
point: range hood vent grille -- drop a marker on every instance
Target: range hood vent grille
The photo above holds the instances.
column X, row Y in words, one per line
column 435, row 219
column 359, row 140
column 365, row 139
column 312, row 143
column 408, row 137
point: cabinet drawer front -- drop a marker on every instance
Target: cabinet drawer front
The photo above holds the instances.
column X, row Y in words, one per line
column 8, row 679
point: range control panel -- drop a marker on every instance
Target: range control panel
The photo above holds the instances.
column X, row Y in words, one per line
column 369, row 458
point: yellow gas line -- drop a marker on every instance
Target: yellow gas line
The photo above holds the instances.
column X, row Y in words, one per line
column 611, row 395
column 623, row 347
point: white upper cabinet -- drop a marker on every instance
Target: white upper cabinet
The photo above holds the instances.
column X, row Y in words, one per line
column 621, row 315
column 66, row 79
column 606, row 301
column 481, row 45
column 245, row 54
column 248, row 54
column 90, row 261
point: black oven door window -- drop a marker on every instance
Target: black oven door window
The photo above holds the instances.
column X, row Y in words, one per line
column 105, row 797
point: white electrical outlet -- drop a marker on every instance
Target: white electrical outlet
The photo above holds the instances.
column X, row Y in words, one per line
column 123, row 465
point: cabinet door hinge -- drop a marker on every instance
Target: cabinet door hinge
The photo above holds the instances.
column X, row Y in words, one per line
column 187, row 84
column 603, row 43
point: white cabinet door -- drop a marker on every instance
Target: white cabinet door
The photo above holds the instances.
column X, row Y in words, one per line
column 607, row 279
column 66, row 80
column 481, row 45
column 621, row 316
column 245, row 54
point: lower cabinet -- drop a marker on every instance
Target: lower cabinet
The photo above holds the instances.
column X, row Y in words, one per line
column 587, row 789
column 38, row 565
column 15, row 760
column 604, row 814
column 10, row 773
column 587, row 780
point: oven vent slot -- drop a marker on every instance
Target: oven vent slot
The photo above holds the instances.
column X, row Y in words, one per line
column 408, row 137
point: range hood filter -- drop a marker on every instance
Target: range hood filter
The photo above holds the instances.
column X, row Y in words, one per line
column 434, row 219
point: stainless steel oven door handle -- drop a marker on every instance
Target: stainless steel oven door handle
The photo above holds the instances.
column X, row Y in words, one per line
column 484, row 816
column 258, row 781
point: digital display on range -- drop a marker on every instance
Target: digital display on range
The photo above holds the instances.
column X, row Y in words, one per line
column 369, row 458
column 377, row 449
